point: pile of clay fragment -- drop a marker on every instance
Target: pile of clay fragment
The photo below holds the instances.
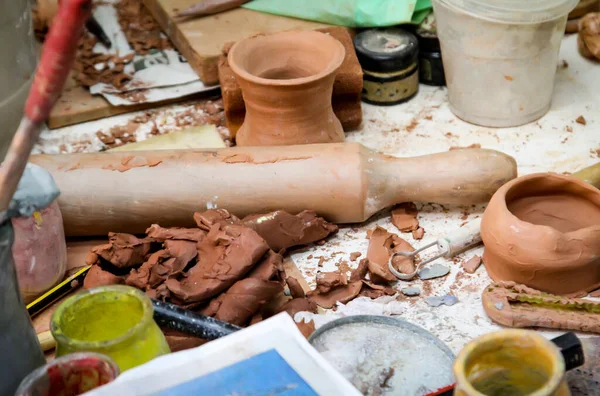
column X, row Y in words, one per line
column 232, row 269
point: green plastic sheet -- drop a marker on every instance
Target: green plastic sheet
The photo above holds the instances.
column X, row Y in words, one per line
column 350, row 13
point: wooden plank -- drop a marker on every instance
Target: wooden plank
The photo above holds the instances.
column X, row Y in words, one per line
column 200, row 40
column 76, row 105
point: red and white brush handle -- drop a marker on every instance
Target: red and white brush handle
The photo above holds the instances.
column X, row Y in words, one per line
column 54, row 67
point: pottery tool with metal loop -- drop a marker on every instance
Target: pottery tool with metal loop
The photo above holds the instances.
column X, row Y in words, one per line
column 447, row 246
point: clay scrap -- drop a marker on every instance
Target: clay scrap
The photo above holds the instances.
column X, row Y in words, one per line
column 588, row 41
column 334, row 287
column 404, row 217
column 123, row 250
column 514, row 305
column 471, row 265
column 382, row 244
column 224, row 268
column 142, row 33
column 282, row 230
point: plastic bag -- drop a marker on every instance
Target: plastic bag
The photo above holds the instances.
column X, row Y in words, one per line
column 39, row 251
column 350, row 13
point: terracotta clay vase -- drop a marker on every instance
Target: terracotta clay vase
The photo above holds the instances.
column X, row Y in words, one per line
column 286, row 81
column 543, row 231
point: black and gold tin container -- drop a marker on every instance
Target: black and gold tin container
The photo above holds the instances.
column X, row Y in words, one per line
column 389, row 59
column 431, row 67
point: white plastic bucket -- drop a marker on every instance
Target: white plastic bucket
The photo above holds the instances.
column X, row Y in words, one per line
column 500, row 57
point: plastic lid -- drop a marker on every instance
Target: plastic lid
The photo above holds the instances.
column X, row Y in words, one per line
column 514, row 11
column 386, row 50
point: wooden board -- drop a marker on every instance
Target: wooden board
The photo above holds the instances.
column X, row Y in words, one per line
column 76, row 105
column 200, row 40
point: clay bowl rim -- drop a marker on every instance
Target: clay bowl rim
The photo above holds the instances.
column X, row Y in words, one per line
column 505, row 189
column 331, row 68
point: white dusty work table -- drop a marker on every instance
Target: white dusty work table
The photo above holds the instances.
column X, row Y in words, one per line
column 426, row 125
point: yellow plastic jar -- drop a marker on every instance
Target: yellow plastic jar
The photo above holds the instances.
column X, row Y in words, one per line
column 510, row 362
column 113, row 320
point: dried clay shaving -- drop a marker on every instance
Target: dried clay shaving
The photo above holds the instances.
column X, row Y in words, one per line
column 404, row 217
column 338, row 287
column 514, row 305
column 142, row 33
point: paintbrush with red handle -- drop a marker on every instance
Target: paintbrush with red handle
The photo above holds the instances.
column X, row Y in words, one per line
column 54, row 67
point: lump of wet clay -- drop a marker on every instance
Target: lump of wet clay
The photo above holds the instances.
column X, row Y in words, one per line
column 140, row 277
column 333, row 287
column 205, row 220
column 436, row 301
column 435, row 271
column 404, row 217
column 269, row 268
column 159, row 233
column 296, row 290
column 179, row 342
column 96, row 276
column 224, row 256
column 411, row 291
column 184, row 251
column 282, row 230
column 245, row 298
column 382, row 245
column 124, row 250
column 471, row 265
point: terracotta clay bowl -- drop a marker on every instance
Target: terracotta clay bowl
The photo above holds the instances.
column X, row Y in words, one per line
column 287, row 81
column 543, row 231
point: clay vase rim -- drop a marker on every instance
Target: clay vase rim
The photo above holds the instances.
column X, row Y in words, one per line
column 337, row 59
column 505, row 189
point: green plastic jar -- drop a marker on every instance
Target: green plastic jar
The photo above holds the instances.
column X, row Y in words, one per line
column 113, row 320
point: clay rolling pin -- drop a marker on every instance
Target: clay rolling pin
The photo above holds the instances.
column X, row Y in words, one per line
column 344, row 182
